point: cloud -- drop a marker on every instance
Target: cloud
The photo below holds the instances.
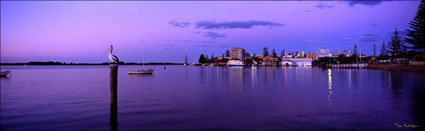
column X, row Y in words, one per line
column 316, row 41
column 212, row 35
column 235, row 24
column 190, row 41
column 205, row 44
column 323, row 6
column 179, row 24
column 353, row 3
column 374, row 24
column 347, row 38
column 369, row 38
column 168, row 46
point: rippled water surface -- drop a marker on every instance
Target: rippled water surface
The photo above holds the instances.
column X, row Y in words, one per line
column 210, row 98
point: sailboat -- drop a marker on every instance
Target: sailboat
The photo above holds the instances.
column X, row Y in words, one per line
column 143, row 70
column 185, row 61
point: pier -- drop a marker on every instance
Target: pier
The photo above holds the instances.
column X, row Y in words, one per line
column 359, row 65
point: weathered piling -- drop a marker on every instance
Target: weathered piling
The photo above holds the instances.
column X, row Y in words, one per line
column 113, row 83
column 113, row 90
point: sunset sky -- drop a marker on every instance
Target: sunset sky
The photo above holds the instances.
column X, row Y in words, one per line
column 82, row 31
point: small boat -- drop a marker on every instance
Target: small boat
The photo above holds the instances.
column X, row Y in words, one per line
column 4, row 73
column 142, row 71
column 235, row 63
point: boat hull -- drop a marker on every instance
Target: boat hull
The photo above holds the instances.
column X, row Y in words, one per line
column 235, row 64
column 141, row 72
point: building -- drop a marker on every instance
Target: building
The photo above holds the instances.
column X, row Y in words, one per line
column 269, row 60
column 222, row 58
column 259, row 56
column 300, row 55
column 288, row 56
column 323, row 52
column 301, row 61
column 238, row 53
column 345, row 53
column 313, row 56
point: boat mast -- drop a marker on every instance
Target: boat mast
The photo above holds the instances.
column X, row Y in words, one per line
column 185, row 60
column 143, row 54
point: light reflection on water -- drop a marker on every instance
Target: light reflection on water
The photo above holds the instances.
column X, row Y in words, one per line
column 200, row 98
column 330, row 84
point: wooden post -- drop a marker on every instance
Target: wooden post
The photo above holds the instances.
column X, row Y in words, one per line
column 113, row 83
column 113, row 90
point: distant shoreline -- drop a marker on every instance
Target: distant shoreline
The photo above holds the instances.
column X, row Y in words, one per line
column 105, row 63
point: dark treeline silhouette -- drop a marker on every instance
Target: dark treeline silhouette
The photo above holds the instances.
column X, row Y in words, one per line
column 400, row 49
column 416, row 34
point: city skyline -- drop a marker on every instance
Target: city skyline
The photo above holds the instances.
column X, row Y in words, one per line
column 82, row 31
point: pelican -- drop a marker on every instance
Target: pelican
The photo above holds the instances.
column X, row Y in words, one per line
column 112, row 57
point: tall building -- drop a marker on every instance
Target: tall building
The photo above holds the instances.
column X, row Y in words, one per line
column 238, row 53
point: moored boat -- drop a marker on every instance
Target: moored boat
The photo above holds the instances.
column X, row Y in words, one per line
column 141, row 71
column 235, row 63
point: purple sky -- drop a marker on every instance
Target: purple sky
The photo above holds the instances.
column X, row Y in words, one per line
column 82, row 31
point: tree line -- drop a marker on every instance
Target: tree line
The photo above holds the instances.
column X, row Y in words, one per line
column 413, row 46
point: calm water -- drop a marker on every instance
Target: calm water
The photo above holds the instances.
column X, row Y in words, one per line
column 210, row 98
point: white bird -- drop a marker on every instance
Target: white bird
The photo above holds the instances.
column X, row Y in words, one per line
column 112, row 57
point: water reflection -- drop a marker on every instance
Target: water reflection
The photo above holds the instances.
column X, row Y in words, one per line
column 395, row 83
column 236, row 76
column 167, row 102
column 349, row 79
column 253, row 75
column 330, row 84
column 286, row 77
column 113, row 121
column 418, row 106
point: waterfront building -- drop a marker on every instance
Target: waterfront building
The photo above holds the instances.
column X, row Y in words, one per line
column 301, row 61
column 313, row 56
column 323, row 52
column 259, row 56
column 269, row 60
column 300, row 55
column 222, row 58
column 288, row 56
column 238, row 53
column 345, row 53
column 247, row 55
